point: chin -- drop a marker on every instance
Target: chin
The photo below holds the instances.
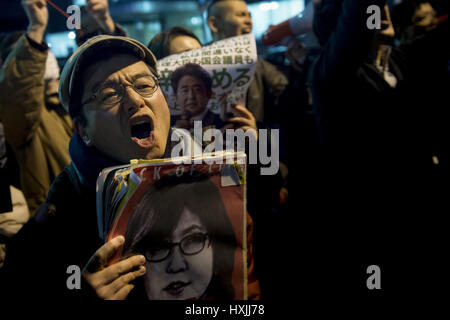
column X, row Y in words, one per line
column 53, row 101
column 155, row 153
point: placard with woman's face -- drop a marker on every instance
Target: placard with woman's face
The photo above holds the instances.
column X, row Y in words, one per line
column 188, row 221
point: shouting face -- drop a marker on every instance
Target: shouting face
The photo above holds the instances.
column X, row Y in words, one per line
column 126, row 113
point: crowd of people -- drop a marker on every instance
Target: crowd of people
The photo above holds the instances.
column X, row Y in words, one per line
column 363, row 148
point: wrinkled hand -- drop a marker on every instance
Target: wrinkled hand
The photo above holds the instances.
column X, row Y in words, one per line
column 243, row 119
column 113, row 282
column 37, row 13
column 99, row 10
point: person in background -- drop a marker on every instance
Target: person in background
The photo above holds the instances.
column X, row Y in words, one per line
column 229, row 18
column 177, row 40
column 172, row 41
column 413, row 18
column 422, row 35
column 36, row 125
column 376, row 167
column 13, row 207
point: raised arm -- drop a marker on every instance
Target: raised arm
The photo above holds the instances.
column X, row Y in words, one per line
column 22, row 78
column 349, row 42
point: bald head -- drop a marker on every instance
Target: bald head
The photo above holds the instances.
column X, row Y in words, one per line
column 229, row 18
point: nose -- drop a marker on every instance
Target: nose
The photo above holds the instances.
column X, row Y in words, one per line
column 191, row 95
column 249, row 19
column 132, row 101
column 176, row 262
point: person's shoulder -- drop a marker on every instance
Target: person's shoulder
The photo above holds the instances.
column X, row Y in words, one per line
column 63, row 192
column 65, row 186
column 266, row 66
column 268, row 69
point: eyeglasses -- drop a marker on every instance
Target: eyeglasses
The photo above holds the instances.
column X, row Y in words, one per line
column 112, row 94
column 189, row 245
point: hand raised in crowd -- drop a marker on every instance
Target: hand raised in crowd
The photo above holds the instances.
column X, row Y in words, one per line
column 242, row 119
column 37, row 13
column 113, row 282
column 99, row 10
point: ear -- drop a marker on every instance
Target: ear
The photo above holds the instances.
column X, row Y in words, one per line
column 212, row 23
column 78, row 127
column 82, row 132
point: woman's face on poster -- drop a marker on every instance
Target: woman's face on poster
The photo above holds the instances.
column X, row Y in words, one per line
column 182, row 276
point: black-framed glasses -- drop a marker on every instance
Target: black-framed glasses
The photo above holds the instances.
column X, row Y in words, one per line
column 111, row 94
column 189, row 245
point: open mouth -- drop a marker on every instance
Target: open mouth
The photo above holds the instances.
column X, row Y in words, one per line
column 141, row 130
column 176, row 288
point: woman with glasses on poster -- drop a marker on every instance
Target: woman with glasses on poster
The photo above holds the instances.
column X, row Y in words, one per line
column 182, row 228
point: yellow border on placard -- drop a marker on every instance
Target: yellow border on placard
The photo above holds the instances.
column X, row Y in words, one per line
column 244, row 240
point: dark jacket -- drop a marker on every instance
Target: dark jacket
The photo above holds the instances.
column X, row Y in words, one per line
column 265, row 89
column 376, row 197
column 39, row 134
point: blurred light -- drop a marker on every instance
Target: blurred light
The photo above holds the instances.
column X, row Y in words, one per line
column 71, row 35
column 145, row 7
column 79, row 2
column 139, row 25
column 61, row 43
column 268, row 6
column 196, row 20
column 262, row 19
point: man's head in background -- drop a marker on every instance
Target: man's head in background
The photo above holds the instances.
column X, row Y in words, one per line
column 413, row 18
column 172, row 41
column 110, row 88
column 229, row 18
column 192, row 86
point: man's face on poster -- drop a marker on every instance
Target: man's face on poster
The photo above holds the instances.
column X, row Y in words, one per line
column 192, row 95
column 181, row 275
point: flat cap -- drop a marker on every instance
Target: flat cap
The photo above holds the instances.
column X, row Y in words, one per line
column 90, row 51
